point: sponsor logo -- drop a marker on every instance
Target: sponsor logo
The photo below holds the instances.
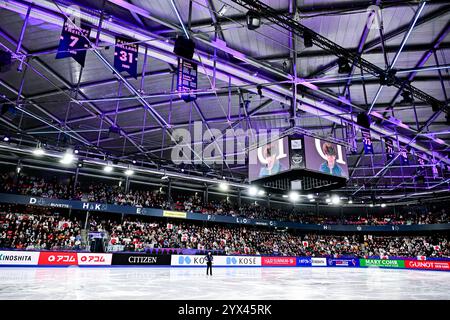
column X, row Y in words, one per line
column 304, row 261
column 58, row 258
column 189, row 260
column 94, row 259
column 18, row 258
column 95, row 206
column 433, row 265
column 242, row 220
column 241, row 261
column 211, row 217
column 318, row 262
column 343, row 262
column 278, row 261
column 382, row 263
column 174, row 214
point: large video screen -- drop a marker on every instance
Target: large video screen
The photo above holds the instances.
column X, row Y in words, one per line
column 325, row 157
column 269, row 159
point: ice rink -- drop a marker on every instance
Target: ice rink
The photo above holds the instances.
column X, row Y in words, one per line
column 226, row 283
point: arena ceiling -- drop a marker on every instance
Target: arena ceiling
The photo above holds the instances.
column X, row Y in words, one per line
column 61, row 104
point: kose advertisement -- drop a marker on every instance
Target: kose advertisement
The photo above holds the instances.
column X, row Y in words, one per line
column 382, row 263
column 218, row 261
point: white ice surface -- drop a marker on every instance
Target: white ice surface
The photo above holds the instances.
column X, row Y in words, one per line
column 226, row 283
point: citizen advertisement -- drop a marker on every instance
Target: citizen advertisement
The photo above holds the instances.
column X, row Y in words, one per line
column 383, row 263
column 331, row 262
column 124, row 259
column 19, row 258
column 430, row 265
column 94, row 259
column 58, row 258
column 325, row 157
column 278, row 261
column 269, row 159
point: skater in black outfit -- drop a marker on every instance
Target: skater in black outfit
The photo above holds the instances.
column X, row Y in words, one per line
column 209, row 259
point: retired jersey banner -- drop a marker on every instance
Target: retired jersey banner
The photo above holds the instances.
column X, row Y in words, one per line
column 126, row 56
column 367, row 141
column 73, row 42
column 389, row 144
column 404, row 156
column 187, row 79
column 421, row 158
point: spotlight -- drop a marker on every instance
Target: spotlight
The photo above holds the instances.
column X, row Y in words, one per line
column 252, row 191
column 261, row 193
column 310, row 196
column 293, row 196
column 307, row 39
column 80, row 164
column 335, row 200
column 76, row 151
column 129, row 172
column 18, row 169
column 223, row 186
column 327, row 200
column 68, row 157
column 108, row 168
column 164, row 177
column 383, row 205
column 6, row 138
column 350, row 201
column 371, row 205
column 344, row 67
column 134, row 161
column 223, row 10
column 285, row 196
column 312, row 200
column 38, row 152
column 253, row 20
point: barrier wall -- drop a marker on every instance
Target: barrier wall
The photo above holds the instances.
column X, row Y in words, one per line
column 84, row 259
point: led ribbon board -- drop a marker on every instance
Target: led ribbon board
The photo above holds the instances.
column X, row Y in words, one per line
column 73, row 42
column 187, row 79
column 126, row 56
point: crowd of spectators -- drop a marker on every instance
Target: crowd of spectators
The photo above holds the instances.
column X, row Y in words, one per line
column 115, row 194
column 40, row 229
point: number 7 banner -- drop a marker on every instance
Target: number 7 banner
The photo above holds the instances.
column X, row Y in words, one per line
column 73, row 42
column 126, row 56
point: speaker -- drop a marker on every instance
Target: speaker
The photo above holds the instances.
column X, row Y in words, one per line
column 184, row 47
column 5, row 61
column 307, row 39
column 363, row 120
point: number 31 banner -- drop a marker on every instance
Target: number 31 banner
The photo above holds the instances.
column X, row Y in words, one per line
column 126, row 56
column 73, row 42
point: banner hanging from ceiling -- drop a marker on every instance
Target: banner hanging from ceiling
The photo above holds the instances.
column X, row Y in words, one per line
column 73, row 42
column 367, row 141
column 389, row 145
column 187, row 79
column 126, row 56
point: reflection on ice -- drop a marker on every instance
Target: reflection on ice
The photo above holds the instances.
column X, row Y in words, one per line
column 226, row 283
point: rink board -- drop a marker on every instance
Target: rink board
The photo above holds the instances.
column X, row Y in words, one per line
column 85, row 259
